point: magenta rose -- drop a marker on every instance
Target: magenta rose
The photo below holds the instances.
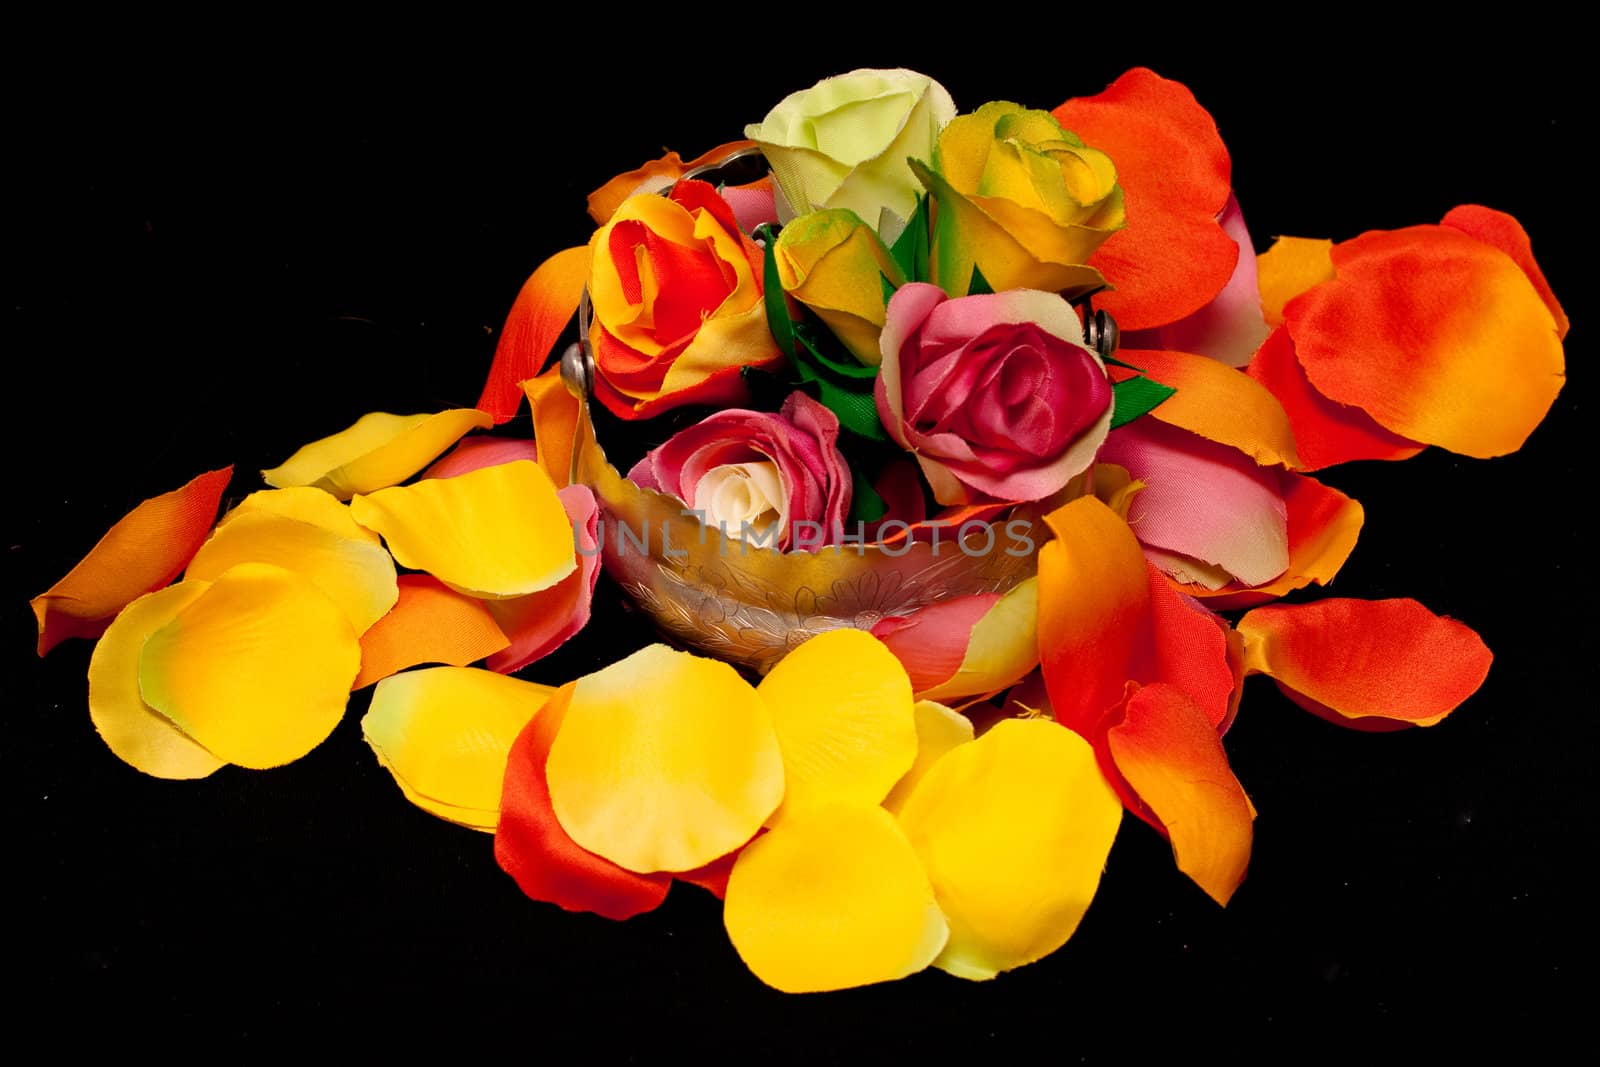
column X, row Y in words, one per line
column 776, row 479
column 996, row 395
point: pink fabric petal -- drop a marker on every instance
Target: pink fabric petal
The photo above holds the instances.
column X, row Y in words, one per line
column 931, row 643
column 1203, row 500
column 752, row 205
column 1231, row 327
column 474, row 453
column 540, row 623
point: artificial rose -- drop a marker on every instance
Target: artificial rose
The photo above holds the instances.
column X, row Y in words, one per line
column 678, row 309
column 996, row 395
column 833, row 263
column 759, row 473
column 1020, row 198
column 844, row 143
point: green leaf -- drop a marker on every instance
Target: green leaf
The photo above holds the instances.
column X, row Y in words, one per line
column 910, row 249
column 979, row 285
column 865, row 503
column 778, row 321
column 824, row 348
column 1135, row 397
column 855, row 407
column 888, row 289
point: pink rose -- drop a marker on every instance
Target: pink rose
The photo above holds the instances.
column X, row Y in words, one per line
column 776, row 479
column 996, row 395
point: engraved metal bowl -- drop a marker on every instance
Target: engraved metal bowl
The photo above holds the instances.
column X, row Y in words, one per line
column 750, row 605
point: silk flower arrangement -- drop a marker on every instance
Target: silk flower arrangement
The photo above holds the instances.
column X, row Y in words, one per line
column 920, row 323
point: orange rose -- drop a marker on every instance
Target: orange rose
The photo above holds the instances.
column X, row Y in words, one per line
column 677, row 294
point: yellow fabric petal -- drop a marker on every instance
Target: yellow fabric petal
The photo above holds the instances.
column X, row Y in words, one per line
column 137, row 734
column 1014, row 830
column 938, row 731
column 316, row 506
column 841, row 704
column 833, row 898
column 665, row 762
column 257, row 669
column 1004, row 646
column 1290, row 267
column 484, row 819
column 380, row 450
column 355, row 573
column 495, row 532
column 444, row 733
column 832, row 262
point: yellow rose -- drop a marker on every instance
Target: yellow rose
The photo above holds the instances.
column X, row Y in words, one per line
column 833, row 263
column 1021, row 199
column 843, row 143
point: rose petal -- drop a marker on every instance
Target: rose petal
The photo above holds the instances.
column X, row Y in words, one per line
column 1506, row 233
column 841, row 706
column 932, row 642
column 543, row 308
column 146, row 549
column 1355, row 660
column 496, row 532
column 1173, row 257
column 938, row 731
column 1438, row 336
column 429, row 623
column 1230, row 328
column 354, row 572
column 1013, row 829
column 555, row 423
column 378, row 451
column 1325, row 432
column 1169, row 753
column 304, row 504
column 832, row 899
column 531, row 846
column 446, row 732
column 1004, row 646
column 475, row 453
column 1218, row 403
column 1290, row 267
column 671, row 782
column 540, row 623
column 135, row 732
column 257, row 668
column 1203, row 500
column 653, row 177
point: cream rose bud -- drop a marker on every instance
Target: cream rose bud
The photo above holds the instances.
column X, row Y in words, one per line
column 843, row 143
column 736, row 494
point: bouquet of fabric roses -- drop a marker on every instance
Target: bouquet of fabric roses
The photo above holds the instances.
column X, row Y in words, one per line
column 921, row 324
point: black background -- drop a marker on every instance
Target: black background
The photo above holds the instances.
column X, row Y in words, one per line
column 213, row 259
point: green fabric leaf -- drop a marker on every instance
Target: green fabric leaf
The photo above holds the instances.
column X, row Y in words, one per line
column 888, row 289
column 979, row 286
column 1135, row 397
column 779, row 323
column 817, row 343
column 854, row 405
column 910, row 249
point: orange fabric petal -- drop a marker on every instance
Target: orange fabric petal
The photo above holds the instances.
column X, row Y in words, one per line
column 1173, row 256
column 1355, row 660
column 542, row 310
column 1325, row 432
column 1436, row 335
column 532, row 848
column 555, row 423
column 1094, row 596
column 145, row 550
column 430, row 623
column 1290, row 267
column 653, row 177
column 1169, row 754
column 1219, row 403
column 1324, row 525
column 1506, row 233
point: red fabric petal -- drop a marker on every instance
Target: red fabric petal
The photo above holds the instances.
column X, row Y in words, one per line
column 547, row 302
column 532, row 848
column 1173, row 257
column 1325, row 432
column 144, row 551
